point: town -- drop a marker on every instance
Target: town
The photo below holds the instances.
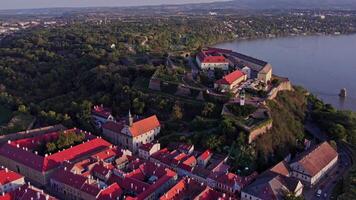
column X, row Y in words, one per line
column 126, row 161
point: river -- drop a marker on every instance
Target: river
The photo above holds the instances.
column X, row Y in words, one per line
column 322, row 64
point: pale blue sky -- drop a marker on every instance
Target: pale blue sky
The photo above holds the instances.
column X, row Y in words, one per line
column 20, row 4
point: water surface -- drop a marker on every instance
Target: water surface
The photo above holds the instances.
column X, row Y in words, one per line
column 322, row 64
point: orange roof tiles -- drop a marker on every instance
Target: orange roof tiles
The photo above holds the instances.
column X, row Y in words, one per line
column 231, row 78
column 281, row 168
column 144, row 125
column 317, row 158
column 7, row 176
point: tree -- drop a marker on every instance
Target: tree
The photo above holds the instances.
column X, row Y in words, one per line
column 338, row 131
column 51, row 147
column 138, row 105
column 208, row 109
column 177, row 112
column 213, row 142
column 23, row 109
column 227, row 127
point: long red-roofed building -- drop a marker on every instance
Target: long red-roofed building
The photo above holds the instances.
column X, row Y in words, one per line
column 211, row 59
column 10, row 180
column 21, row 156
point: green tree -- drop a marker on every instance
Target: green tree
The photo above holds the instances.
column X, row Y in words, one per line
column 208, row 109
column 138, row 106
column 22, row 109
column 51, row 147
column 177, row 112
column 338, row 131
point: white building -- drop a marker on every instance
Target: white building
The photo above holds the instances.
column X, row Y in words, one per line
column 133, row 134
column 314, row 164
column 210, row 59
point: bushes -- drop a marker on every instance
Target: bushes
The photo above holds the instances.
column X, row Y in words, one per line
column 241, row 111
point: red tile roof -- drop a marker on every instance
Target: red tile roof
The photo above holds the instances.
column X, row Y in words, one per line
column 107, row 154
column 144, row 125
column 26, row 192
column 281, row 168
column 186, row 188
column 211, row 56
column 231, row 78
column 40, row 163
column 317, row 158
column 111, row 193
column 7, row 176
column 114, row 126
column 205, row 155
column 101, row 111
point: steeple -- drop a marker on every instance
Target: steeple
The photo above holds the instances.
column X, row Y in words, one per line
column 130, row 118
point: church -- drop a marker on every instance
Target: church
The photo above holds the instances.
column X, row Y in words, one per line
column 130, row 134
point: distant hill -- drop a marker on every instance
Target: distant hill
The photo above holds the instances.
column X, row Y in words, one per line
column 228, row 5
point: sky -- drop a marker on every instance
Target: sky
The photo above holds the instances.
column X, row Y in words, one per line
column 25, row 4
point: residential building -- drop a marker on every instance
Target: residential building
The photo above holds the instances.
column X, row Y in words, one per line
column 146, row 150
column 101, row 115
column 26, row 192
column 274, row 183
column 188, row 188
column 210, row 59
column 73, row 186
column 132, row 135
column 147, row 182
column 230, row 81
column 9, row 180
column 315, row 163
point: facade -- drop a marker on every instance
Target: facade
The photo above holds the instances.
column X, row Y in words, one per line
column 273, row 184
column 314, row 164
column 210, row 60
column 10, row 181
column 133, row 134
column 230, row 81
column 101, row 115
column 265, row 75
column 146, row 150
column 26, row 192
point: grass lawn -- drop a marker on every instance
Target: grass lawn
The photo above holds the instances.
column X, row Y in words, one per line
column 5, row 115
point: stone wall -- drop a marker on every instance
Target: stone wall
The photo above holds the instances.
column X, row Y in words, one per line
column 254, row 133
column 283, row 86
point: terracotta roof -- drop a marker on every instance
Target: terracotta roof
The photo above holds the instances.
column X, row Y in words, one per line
column 144, row 125
column 26, row 192
column 231, row 78
column 281, row 168
column 111, row 193
column 205, row 155
column 7, row 176
column 41, row 163
column 211, row 56
column 107, row 154
column 186, row 188
column 210, row 194
column 114, row 126
column 101, row 111
column 147, row 146
column 317, row 158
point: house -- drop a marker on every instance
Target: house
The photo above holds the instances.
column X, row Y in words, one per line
column 146, row 150
column 101, row 115
column 211, row 59
column 188, row 188
column 230, row 81
column 148, row 181
column 132, row 135
column 9, row 180
column 22, row 157
column 69, row 185
column 204, row 158
column 315, row 163
column 273, row 184
column 26, row 192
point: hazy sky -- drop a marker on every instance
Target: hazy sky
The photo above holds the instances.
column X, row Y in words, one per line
column 19, row 4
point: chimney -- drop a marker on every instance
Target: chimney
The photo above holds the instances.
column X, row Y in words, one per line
column 6, row 170
column 47, row 197
column 9, row 141
column 38, row 195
